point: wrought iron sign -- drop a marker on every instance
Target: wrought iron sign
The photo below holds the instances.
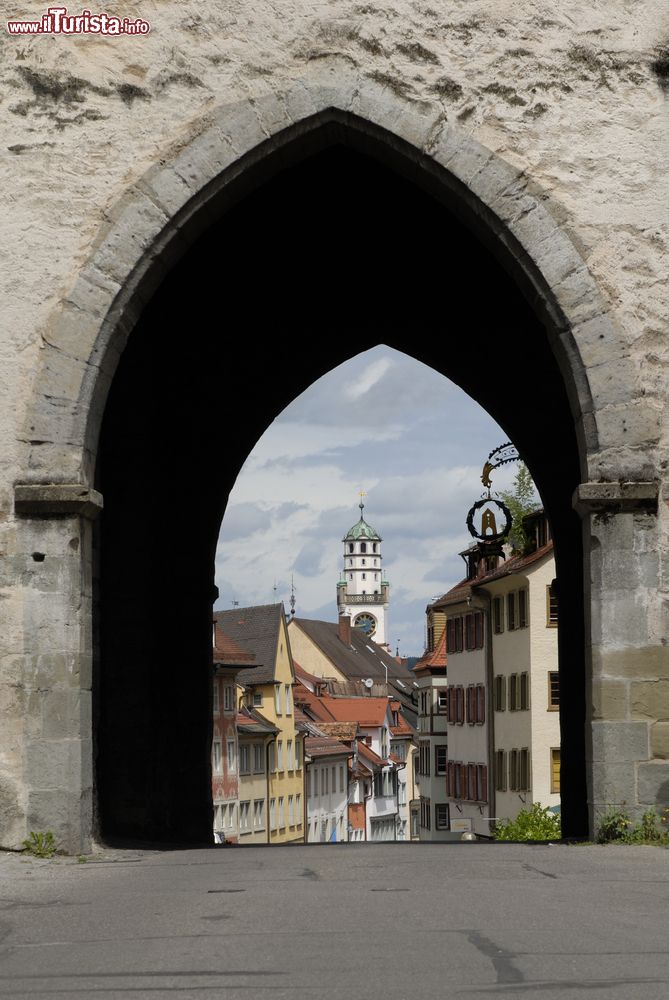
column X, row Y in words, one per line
column 488, row 529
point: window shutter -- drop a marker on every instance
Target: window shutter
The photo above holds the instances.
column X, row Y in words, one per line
column 478, row 623
column 480, row 703
column 451, row 779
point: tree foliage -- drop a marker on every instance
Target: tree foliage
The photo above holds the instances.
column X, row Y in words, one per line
column 521, row 500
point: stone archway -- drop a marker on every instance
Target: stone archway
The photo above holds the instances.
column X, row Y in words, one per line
column 148, row 231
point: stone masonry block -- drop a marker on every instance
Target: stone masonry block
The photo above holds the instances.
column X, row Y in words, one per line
column 299, row 101
column 240, row 127
column 168, row 188
column 650, row 700
column 619, row 742
column 659, row 740
column 66, row 713
column 55, row 763
column 609, row 699
column 130, row 236
column 600, row 341
column 623, row 614
column 497, row 177
column 653, row 784
column 272, row 113
column 204, row 158
column 612, row 784
column 576, row 292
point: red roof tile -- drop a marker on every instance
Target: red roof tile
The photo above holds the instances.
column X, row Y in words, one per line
column 437, row 659
column 228, row 652
column 364, row 711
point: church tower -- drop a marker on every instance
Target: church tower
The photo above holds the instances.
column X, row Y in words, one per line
column 362, row 592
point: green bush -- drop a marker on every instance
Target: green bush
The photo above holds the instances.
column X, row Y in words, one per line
column 616, row 826
column 535, row 823
column 42, row 845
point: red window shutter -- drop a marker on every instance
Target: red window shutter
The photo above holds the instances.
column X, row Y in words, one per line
column 450, row 636
column 458, row 635
column 450, row 781
column 478, row 624
column 483, row 783
column 469, row 631
column 480, row 703
column 452, row 705
column 460, row 704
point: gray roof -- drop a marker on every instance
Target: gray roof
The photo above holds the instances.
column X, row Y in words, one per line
column 256, row 630
column 362, row 658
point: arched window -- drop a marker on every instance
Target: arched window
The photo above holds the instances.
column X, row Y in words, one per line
column 350, row 546
column 373, row 546
column 363, row 546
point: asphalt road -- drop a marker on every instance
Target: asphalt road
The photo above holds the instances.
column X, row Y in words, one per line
column 333, row 922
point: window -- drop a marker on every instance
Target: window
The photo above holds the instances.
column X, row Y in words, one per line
column 480, row 704
column 511, row 611
column 481, row 783
column 441, row 817
column 298, row 755
column 257, row 699
column 519, row 770
column 478, row 630
column 373, row 546
column 553, row 691
column 398, row 749
column 231, row 756
column 298, row 809
column 334, row 780
column 272, row 813
column 289, row 699
column 469, row 632
column 500, row 770
column 364, row 563
column 401, row 794
column 324, row 781
column 424, row 758
column 555, row 770
column 442, row 701
column 291, row 814
column 350, row 546
column 363, row 546
column 244, row 759
column 258, row 814
column 315, row 792
column 279, row 755
column 425, row 813
column 272, row 757
column 341, row 777
column 289, row 754
column 217, row 757
column 524, row 691
column 364, row 576
column 217, row 706
column 277, row 699
column 471, row 704
column 522, row 608
column 454, row 635
column 551, row 606
column 514, row 693
column 459, row 705
column 258, row 758
column 282, row 815
column 440, row 759
column 500, row 693
column 244, row 825
column 457, row 784
column 498, row 615
column 229, row 698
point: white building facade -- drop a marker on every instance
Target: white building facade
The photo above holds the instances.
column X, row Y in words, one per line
column 327, row 790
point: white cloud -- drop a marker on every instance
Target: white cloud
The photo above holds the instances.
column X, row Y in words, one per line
column 372, row 374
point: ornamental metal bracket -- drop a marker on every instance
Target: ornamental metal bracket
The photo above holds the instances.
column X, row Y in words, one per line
column 56, row 500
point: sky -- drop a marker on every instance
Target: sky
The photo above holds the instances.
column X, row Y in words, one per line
column 382, row 423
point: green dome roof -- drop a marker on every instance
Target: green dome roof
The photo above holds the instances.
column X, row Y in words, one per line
column 362, row 530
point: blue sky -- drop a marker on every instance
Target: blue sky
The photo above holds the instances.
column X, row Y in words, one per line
column 383, row 423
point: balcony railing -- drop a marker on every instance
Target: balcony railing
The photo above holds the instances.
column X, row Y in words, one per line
column 344, row 598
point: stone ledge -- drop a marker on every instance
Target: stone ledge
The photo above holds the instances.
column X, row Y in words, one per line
column 615, row 498
column 56, row 500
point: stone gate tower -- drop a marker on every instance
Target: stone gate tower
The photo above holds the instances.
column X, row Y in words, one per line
column 362, row 592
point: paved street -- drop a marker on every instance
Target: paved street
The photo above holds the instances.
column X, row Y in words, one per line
column 403, row 922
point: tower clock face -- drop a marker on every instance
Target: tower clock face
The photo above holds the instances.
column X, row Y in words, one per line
column 367, row 623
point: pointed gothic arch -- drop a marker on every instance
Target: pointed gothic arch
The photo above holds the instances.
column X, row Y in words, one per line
column 167, row 212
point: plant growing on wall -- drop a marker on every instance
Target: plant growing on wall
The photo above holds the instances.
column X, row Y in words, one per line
column 521, row 500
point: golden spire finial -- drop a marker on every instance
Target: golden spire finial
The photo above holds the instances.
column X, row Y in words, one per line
column 361, row 505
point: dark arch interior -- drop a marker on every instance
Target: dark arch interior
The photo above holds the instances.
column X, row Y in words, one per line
column 333, row 252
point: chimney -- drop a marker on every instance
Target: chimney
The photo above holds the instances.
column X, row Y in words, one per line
column 345, row 629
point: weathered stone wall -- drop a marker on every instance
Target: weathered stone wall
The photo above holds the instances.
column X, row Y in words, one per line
column 573, row 100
